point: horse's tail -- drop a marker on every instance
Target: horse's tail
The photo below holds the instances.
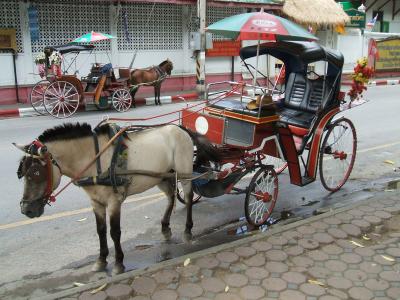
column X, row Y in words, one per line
column 206, row 152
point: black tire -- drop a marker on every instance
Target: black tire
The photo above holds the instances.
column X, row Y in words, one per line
column 263, row 188
column 338, row 151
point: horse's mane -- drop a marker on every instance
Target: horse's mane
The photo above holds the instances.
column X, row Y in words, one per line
column 167, row 61
column 69, row 131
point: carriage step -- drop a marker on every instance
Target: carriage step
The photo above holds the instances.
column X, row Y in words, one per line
column 306, row 180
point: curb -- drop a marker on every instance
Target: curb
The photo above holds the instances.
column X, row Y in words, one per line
column 194, row 255
column 30, row 112
column 377, row 82
column 166, row 99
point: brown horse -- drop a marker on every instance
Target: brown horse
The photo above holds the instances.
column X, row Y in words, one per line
column 152, row 76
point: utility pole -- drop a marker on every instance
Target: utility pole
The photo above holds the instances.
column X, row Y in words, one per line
column 201, row 55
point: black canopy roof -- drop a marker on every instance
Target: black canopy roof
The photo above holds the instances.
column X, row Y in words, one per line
column 67, row 48
column 295, row 54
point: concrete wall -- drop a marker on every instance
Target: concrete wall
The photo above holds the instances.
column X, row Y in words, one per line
column 394, row 26
column 182, row 57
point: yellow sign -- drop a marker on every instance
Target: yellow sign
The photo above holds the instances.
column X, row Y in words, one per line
column 8, row 38
column 388, row 58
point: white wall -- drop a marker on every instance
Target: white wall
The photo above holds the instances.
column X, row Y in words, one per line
column 184, row 64
column 354, row 44
column 387, row 13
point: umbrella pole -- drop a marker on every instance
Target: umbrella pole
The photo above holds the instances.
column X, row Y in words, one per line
column 255, row 75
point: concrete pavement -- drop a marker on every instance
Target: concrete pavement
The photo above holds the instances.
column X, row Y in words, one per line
column 349, row 253
column 20, row 110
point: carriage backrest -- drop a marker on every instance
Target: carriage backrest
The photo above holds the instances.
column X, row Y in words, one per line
column 297, row 91
column 317, row 100
column 307, row 95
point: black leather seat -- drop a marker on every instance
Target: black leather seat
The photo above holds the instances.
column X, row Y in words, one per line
column 240, row 107
column 303, row 98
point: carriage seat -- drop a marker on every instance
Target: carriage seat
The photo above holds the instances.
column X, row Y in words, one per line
column 239, row 107
column 303, row 99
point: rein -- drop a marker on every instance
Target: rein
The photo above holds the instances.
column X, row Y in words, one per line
column 49, row 158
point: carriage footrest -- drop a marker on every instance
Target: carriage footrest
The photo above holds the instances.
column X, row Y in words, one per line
column 306, row 180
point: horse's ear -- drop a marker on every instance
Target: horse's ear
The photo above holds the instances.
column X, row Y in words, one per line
column 21, row 147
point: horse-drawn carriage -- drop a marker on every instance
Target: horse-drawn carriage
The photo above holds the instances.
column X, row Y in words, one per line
column 298, row 127
column 60, row 94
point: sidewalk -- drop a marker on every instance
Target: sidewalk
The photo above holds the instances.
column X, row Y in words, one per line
column 25, row 109
column 349, row 253
column 375, row 81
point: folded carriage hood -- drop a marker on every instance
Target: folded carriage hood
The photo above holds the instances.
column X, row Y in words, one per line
column 295, row 52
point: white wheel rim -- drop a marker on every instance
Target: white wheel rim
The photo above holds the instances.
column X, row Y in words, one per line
column 265, row 183
column 340, row 140
column 36, row 96
column 61, row 99
column 121, row 100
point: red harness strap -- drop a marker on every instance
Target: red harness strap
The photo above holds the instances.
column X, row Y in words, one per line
column 37, row 148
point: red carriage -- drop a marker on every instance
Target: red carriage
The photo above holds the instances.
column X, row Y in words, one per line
column 299, row 128
column 60, row 94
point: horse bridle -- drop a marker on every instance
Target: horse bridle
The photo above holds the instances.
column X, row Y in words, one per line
column 37, row 150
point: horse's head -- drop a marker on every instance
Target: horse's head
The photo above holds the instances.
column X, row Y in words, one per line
column 167, row 66
column 41, row 175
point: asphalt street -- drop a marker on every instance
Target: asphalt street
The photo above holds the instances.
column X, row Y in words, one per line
column 65, row 237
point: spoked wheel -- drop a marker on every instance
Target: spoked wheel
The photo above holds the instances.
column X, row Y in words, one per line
column 337, row 154
column 36, row 96
column 181, row 197
column 121, row 100
column 279, row 164
column 261, row 196
column 61, row 99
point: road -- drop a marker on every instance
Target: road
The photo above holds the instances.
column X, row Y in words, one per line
column 59, row 246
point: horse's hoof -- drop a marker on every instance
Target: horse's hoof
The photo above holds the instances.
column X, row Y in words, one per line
column 187, row 237
column 99, row 266
column 118, row 269
column 167, row 233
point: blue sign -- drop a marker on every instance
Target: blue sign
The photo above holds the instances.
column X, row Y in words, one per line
column 33, row 23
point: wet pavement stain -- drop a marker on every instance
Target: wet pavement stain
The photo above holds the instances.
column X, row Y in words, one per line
column 311, row 203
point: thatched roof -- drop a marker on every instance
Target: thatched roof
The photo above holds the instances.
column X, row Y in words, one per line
column 315, row 12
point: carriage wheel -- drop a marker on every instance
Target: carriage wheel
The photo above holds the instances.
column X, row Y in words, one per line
column 337, row 154
column 181, row 196
column 61, row 99
column 36, row 96
column 279, row 164
column 261, row 196
column 121, row 100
